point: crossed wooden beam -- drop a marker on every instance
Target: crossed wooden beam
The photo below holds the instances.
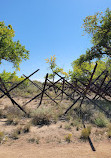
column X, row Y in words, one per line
column 81, row 91
column 7, row 92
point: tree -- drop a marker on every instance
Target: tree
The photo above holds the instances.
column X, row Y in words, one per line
column 54, row 68
column 11, row 78
column 10, row 50
column 84, row 71
column 99, row 27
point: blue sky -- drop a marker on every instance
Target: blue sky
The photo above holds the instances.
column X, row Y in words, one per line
column 49, row 27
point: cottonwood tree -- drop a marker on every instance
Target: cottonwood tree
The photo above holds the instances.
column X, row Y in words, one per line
column 98, row 26
column 84, row 71
column 10, row 50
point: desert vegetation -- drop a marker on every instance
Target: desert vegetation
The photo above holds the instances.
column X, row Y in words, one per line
column 77, row 108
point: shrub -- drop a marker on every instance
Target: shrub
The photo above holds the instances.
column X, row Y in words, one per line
column 101, row 120
column 68, row 138
column 15, row 134
column 37, row 140
column 26, row 128
column 67, row 127
column 14, row 110
column 34, row 140
column 85, row 133
column 43, row 116
column 1, row 114
column 1, row 136
column 31, row 140
column 15, row 121
column 109, row 131
column 76, row 122
column 109, row 134
column 9, row 119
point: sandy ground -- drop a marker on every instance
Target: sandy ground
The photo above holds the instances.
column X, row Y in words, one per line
column 103, row 150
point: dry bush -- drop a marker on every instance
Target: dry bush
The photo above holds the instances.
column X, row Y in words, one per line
column 34, row 140
column 67, row 126
column 12, row 120
column 1, row 136
column 13, row 110
column 85, row 133
column 44, row 116
column 109, row 131
column 68, row 138
column 26, row 128
column 14, row 135
column 2, row 115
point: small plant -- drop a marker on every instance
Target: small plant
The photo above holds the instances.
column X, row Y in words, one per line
column 67, row 127
column 26, row 128
column 31, row 140
column 12, row 119
column 109, row 131
column 9, row 119
column 37, row 140
column 77, row 128
column 15, row 121
column 60, row 126
column 76, row 122
column 18, row 130
column 100, row 120
column 14, row 111
column 68, row 138
column 14, row 135
column 85, row 133
column 59, row 141
column 1, row 114
column 1, row 136
column 34, row 140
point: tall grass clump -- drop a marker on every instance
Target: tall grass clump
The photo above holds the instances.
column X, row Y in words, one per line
column 100, row 120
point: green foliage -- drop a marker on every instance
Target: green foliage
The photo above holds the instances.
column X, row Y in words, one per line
column 9, row 78
column 54, row 68
column 100, row 120
column 81, row 72
column 99, row 27
column 10, row 50
column 84, row 71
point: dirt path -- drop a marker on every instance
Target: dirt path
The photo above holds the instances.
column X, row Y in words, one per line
column 53, row 151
